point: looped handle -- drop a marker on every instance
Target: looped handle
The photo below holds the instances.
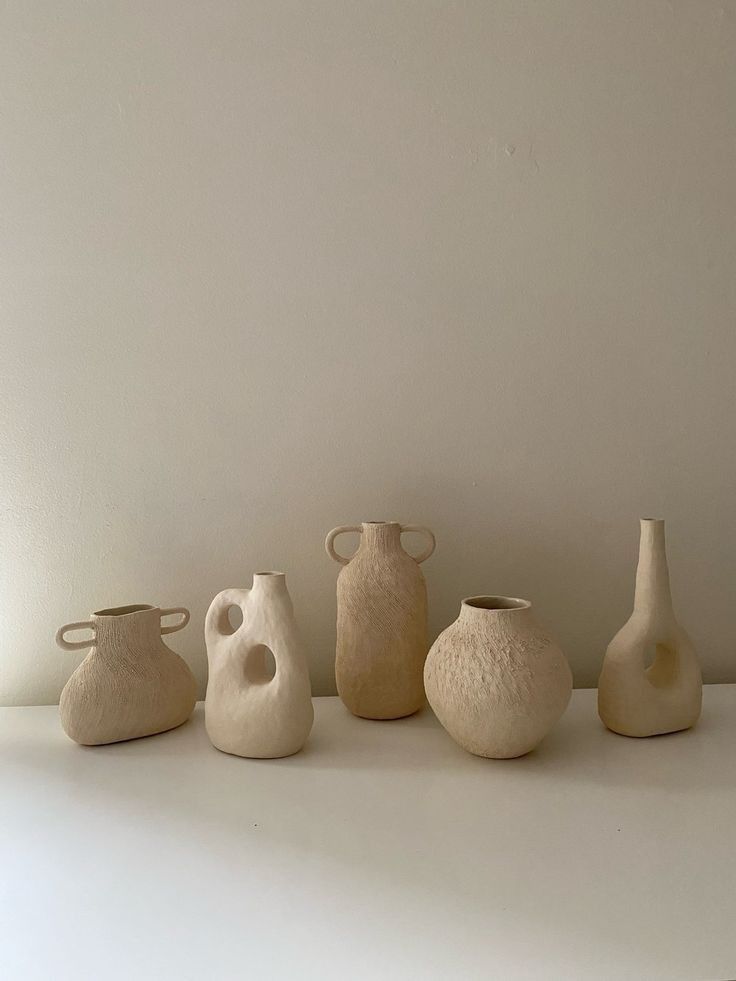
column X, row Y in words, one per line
column 175, row 626
column 217, row 623
column 330, row 548
column 422, row 531
column 76, row 645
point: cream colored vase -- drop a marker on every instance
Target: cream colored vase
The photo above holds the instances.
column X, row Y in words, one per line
column 650, row 683
column 130, row 684
column 381, row 621
column 250, row 710
column 494, row 679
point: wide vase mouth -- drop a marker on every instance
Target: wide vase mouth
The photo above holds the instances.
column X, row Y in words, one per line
column 496, row 603
column 124, row 611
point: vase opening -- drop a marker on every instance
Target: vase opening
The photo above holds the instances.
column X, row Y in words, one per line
column 271, row 572
column 123, row 611
column 496, row 603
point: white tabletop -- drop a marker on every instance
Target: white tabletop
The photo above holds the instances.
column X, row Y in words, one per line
column 381, row 851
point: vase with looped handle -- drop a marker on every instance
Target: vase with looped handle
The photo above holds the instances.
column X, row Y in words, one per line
column 259, row 699
column 130, row 684
column 381, row 621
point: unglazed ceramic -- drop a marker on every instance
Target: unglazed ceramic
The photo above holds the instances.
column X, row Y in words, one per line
column 650, row 683
column 130, row 684
column 495, row 680
column 381, row 621
column 248, row 711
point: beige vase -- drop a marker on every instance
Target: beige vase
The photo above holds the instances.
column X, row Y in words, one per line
column 650, row 682
column 381, row 621
column 130, row 684
column 495, row 680
column 252, row 708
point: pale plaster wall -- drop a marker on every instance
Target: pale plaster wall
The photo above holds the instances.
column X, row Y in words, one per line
column 268, row 267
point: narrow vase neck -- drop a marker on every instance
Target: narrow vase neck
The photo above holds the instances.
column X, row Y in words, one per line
column 269, row 584
column 382, row 535
column 652, row 574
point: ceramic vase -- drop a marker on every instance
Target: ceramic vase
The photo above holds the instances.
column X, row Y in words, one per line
column 250, row 711
column 130, row 684
column 495, row 680
column 381, row 621
column 650, row 682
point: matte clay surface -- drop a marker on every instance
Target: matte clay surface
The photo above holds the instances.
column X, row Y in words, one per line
column 650, row 683
column 495, row 680
column 130, row 684
column 379, row 852
column 252, row 710
column 381, row 622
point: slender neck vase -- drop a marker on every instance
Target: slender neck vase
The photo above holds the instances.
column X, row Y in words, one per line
column 650, row 682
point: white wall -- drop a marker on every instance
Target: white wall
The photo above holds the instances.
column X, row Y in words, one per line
column 268, row 267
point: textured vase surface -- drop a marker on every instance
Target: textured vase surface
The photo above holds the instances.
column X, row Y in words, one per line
column 650, row 682
column 381, row 622
column 248, row 710
column 130, row 684
column 495, row 680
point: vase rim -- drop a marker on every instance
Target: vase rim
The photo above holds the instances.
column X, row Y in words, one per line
column 125, row 611
column 496, row 604
column 652, row 521
column 270, row 572
column 380, row 522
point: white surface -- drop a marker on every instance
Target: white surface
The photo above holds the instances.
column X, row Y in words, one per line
column 382, row 851
column 271, row 266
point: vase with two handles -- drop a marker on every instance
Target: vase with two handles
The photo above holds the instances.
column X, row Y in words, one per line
column 382, row 637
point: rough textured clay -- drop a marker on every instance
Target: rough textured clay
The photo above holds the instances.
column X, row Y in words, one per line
column 650, row 682
column 381, row 622
column 495, row 681
column 248, row 711
column 130, row 684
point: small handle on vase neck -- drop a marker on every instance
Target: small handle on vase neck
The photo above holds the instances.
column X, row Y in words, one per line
column 330, row 548
column 76, row 645
column 421, row 530
column 175, row 626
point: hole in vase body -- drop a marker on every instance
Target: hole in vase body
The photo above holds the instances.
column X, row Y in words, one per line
column 234, row 618
column 660, row 666
column 260, row 665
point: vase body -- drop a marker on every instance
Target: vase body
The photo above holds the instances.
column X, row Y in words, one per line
column 495, row 680
column 248, row 710
column 381, row 622
column 650, row 683
column 130, row 684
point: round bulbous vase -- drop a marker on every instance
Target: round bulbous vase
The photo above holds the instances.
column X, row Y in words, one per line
column 495, row 680
column 382, row 637
column 130, row 684
column 252, row 708
column 650, row 683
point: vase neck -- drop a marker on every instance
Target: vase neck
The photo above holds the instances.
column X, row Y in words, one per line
column 383, row 536
column 492, row 610
column 127, row 626
column 652, row 575
column 269, row 584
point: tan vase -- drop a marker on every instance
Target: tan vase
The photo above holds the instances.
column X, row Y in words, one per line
column 251, row 710
column 495, row 680
column 130, row 684
column 650, row 682
column 381, row 622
